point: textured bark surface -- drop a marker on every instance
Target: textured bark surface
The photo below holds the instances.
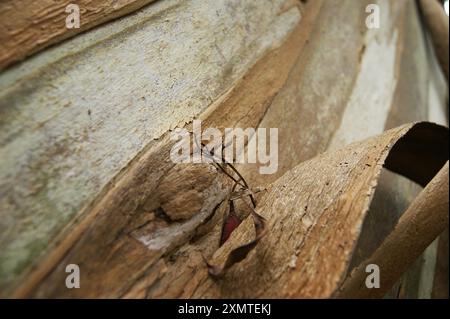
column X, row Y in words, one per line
column 85, row 141
column 437, row 24
column 28, row 26
column 314, row 214
column 64, row 138
column 424, row 221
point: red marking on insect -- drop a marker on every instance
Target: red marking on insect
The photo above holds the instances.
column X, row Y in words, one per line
column 230, row 224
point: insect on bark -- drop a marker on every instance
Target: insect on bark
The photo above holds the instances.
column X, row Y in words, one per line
column 231, row 220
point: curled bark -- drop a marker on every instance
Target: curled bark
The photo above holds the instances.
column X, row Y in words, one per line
column 424, row 220
column 313, row 213
column 95, row 186
column 437, row 23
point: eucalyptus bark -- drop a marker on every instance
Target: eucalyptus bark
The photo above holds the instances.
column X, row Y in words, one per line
column 85, row 140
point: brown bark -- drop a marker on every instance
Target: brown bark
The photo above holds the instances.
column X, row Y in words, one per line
column 424, row 221
column 437, row 23
column 147, row 230
column 314, row 214
column 28, row 26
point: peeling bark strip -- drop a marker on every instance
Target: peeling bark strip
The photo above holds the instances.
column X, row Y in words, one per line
column 238, row 254
column 437, row 23
column 315, row 211
column 425, row 219
column 84, row 144
column 313, row 214
column 28, row 26
column 72, row 121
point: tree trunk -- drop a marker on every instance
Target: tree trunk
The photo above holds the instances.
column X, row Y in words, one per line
column 86, row 176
